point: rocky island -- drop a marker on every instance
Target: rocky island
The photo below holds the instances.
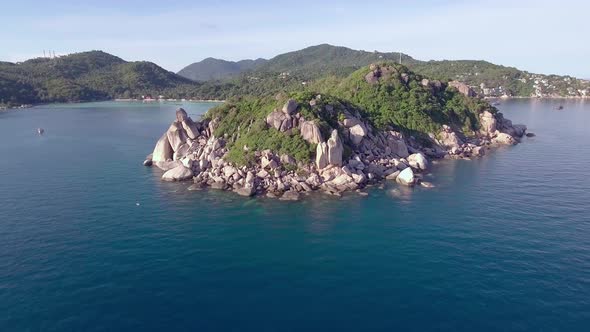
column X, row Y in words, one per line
column 383, row 122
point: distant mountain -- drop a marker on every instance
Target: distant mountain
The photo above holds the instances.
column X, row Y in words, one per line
column 321, row 60
column 97, row 75
column 486, row 78
column 212, row 69
column 86, row 76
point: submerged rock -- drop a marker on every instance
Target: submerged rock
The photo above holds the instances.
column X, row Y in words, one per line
column 426, row 184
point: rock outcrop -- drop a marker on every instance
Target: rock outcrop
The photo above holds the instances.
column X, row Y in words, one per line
column 463, row 88
column 310, row 132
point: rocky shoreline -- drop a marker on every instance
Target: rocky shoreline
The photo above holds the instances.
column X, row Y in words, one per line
column 188, row 150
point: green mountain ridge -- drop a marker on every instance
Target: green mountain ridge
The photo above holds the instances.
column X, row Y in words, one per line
column 96, row 75
column 487, row 79
column 211, row 69
column 85, row 76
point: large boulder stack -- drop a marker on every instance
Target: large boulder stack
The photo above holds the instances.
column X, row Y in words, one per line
column 283, row 119
column 163, row 150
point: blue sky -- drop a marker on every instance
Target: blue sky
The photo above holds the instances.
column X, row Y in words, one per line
column 539, row 36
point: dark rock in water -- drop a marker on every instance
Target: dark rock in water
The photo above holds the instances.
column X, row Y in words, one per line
column 147, row 162
column 426, row 184
column 530, row 135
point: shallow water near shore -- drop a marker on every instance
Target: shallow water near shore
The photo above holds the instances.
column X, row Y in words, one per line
column 91, row 240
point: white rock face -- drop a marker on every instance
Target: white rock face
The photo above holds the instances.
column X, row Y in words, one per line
column 505, row 139
column 176, row 135
column 229, row 171
column 357, row 133
column 181, row 151
column 179, row 173
column 191, row 128
column 406, row 177
column 321, row 155
column 310, row 132
column 163, row 150
column 418, row 161
column 335, row 149
column 449, row 139
column 488, row 123
column 167, row 165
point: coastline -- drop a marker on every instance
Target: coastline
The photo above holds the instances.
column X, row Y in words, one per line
column 27, row 106
column 539, row 98
column 168, row 100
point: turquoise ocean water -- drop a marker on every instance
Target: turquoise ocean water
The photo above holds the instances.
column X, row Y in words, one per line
column 90, row 240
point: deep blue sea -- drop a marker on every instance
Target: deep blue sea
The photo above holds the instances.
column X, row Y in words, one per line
column 90, row 240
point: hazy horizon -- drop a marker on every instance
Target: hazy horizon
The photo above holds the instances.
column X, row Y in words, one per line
column 528, row 35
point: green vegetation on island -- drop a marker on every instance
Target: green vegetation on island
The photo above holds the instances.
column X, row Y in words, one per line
column 395, row 98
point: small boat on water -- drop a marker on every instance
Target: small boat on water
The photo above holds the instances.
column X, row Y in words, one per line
column 40, row 131
column 559, row 108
